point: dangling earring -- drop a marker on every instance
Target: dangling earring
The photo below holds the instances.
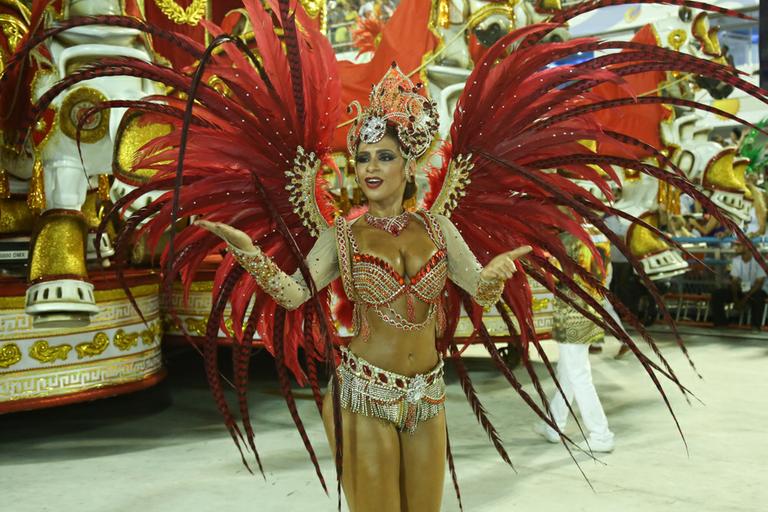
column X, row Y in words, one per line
column 408, row 170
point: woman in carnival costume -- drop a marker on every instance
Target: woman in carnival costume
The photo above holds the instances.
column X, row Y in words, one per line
column 393, row 264
column 247, row 159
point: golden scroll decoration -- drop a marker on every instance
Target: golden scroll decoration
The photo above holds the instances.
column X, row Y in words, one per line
column 45, row 353
column 10, row 354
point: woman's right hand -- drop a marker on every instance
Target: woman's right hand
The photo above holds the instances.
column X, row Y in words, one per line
column 232, row 236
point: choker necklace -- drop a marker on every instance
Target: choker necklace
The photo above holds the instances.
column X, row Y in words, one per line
column 392, row 225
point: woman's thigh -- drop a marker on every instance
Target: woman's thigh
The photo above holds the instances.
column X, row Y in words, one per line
column 371, row 460
column 422, row 466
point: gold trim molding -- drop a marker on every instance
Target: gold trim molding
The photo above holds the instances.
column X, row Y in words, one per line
column 56, row 381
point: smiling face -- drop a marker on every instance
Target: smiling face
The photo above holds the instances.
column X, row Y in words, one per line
column 380, row 170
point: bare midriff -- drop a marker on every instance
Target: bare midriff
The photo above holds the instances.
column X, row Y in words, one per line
column 388, row 347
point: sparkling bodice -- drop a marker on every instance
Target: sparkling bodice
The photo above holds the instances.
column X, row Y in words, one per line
column 377, row 283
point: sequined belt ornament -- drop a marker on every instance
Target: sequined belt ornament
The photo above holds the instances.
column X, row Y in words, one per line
column 403, row 401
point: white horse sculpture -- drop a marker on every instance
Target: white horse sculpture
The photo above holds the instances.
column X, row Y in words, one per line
column 60, row 293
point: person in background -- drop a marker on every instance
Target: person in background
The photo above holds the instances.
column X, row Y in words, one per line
column 574, row 333
column 707, row 226
column 613, row 256
column 756, row 226
column 746, row 289
column 735, row 137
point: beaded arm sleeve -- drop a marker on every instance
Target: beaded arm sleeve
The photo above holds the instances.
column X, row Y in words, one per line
column 291, row 291
column 464, row 269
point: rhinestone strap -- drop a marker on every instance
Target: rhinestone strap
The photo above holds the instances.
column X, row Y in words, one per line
column 343, row 241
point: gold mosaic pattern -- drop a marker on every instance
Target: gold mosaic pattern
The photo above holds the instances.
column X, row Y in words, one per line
column 59, row 247
column 15, row 216
column 133, row 135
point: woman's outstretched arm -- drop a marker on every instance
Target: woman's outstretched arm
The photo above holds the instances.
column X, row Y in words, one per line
column 290, row 291
column 485, row 284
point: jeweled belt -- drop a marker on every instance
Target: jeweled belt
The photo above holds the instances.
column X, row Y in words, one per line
column 405, row 401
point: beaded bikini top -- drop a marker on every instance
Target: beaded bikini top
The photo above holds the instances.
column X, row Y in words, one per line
column 372, row 283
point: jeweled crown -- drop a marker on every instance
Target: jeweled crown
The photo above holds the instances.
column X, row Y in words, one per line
column 395, row 100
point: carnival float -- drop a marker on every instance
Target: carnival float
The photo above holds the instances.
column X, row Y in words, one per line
column 70, row 331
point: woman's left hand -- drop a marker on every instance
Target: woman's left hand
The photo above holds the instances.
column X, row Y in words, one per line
column 503, row 266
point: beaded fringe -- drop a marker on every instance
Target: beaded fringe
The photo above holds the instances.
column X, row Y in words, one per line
column 403, row 401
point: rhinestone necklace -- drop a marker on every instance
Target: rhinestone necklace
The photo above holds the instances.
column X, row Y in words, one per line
column 392, row 225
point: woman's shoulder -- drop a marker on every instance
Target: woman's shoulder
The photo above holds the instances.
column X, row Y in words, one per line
column 436, row 225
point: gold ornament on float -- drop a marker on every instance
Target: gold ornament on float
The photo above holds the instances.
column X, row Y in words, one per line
column 152, row 333
column 77, row 103
column 642, row 241
column 443, row 14
column 15, row 28
column 540, row 304
column 706, row 36
column 125, row 341
column 181, row 16
column 132, row 135
column 59, row 247
column 15, row 217
column 44, row 353
column 676, row 39
column 36, row 193
column 97, row 346
column 5, row 187
column 198, row 326
column 10, row 354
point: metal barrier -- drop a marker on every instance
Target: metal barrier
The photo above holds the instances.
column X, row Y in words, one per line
column 689, row 297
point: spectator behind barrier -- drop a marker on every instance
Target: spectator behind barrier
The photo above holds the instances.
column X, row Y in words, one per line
column 748, row 288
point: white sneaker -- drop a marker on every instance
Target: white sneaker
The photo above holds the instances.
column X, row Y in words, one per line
column 547, row 433
column 597, row 446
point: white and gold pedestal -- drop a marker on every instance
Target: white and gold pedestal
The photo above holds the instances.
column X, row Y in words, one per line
column 116, row 353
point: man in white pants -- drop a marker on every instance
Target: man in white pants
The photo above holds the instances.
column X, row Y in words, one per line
column 574, row 333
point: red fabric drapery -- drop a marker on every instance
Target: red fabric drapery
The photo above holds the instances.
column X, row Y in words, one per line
column 406, row 38
column 641, row 121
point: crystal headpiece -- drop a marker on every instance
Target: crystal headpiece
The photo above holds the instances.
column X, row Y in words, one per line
column 395, row 100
